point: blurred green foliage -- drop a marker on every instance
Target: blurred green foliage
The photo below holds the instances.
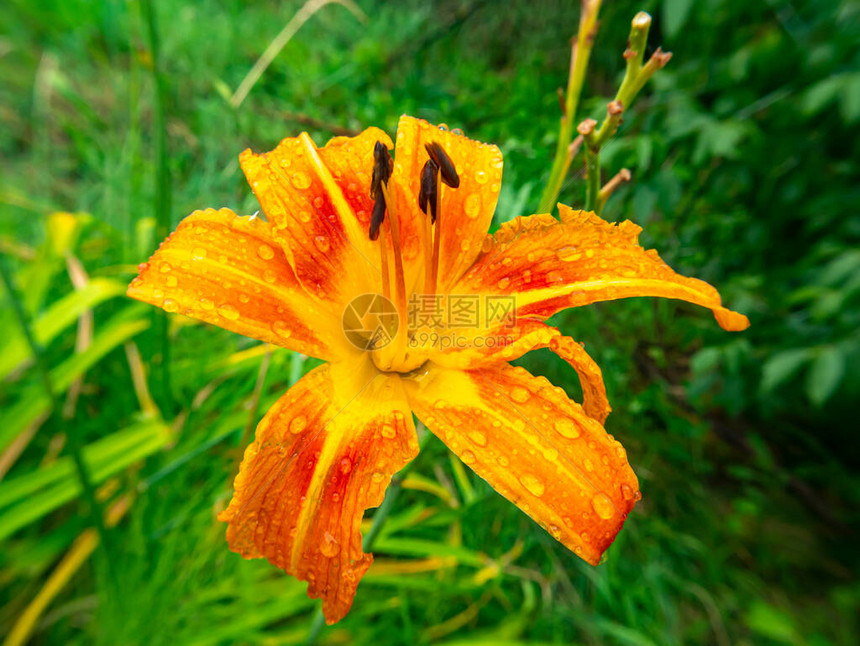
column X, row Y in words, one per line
column 744, row 153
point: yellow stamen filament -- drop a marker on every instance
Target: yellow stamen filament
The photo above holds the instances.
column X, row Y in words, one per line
column 427, row 242
column 383, row 261
column 437, row 238
column 399, row 276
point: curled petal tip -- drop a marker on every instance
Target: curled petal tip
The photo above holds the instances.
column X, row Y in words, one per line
column 731, row 321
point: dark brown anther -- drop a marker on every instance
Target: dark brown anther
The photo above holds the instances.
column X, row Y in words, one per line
column 446, row 166
column 377, row 216
column 383, row 165
column 427, row 193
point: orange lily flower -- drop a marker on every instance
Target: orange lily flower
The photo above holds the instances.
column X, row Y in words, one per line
column 327, row 450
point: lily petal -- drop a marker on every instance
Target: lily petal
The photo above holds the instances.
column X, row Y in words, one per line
column 508, row 344
column 467, row 210
column 551, row 265
column 229, row 271
column 323, row 454
column 318, row 201
column 536, row 447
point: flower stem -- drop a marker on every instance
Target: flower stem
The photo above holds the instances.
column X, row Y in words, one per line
column 635, row 77
column 580, row 55
column 163, row 190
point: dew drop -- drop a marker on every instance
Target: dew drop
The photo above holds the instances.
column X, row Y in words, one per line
column 568, row 253
column 481, row 177
column 322, row 243
column 472, row 205
column 520, row 394
column 329, row 546
column 164, row 267
column 243, row 297
column 589, row 465
column 298, row 424
column 228, row 312
column 265, row 252
column 170, row 305
column 269, row 276
column 603, row 506
column 503, row 282
column 533, row 484
column 198, row 253
column 555, row 532
column 503, row 461
column 282, row 329
column 566, row 428
column 626, row 491
column 377, row 477
column 301, row 180
column 468, row 457
column 389, row 432
column 554, row 277
column 345, row 466
column 478, row 438
column 206, row 304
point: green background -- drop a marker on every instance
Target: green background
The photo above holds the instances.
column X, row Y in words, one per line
column 744, row 154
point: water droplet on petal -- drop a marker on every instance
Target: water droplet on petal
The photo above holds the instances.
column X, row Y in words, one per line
column 503, row 282
column 554, row 277
column 377, row 477
column 568, row 253
column 520, row 394
column 533, row 484
column 478, row 438
column 298, row 424
column 468, row 457
column 322, row 243
column 603, row 506
column 481, row 177
column 567, row 428
column 472, row 205
column 206, row 304
column 228, row 312
column 301, row 180
column 555, row 532
column 163, row 267
column 626, row 491
column 170, row 305
column 282, row 329
column 389, row 432
column 265, row 252
column 269, row 276
column 198, row 253
column 329, row 546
